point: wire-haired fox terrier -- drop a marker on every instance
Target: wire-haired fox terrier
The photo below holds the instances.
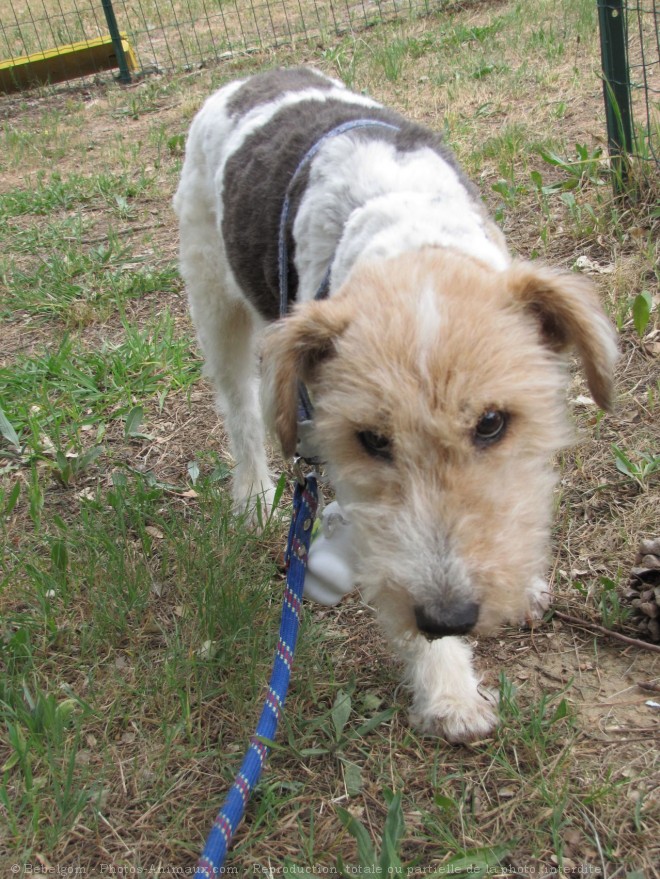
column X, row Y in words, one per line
column 436, row 363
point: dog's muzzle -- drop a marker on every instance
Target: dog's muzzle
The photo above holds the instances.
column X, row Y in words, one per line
column 440, row 622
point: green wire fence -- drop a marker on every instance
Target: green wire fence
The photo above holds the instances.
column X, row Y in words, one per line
column 53, row 40
column 168, row 35
column 630, row 51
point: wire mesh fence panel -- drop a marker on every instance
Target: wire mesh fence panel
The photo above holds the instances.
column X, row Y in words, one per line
column 630, row 45
column 186, row 33
column 28, row 26
column 168, row 35
column 643, row 40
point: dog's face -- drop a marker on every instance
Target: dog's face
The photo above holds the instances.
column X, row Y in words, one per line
column 439, row 387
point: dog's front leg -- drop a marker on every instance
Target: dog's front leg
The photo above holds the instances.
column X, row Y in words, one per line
column 447, row 698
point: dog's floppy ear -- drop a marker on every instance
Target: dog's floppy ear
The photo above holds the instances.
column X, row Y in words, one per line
column 570, row 316
column 292, row 351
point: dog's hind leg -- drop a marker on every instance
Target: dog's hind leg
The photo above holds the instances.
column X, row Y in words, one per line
column 227, row 327
column 228, row 340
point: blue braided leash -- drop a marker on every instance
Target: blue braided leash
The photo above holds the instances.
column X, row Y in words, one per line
column 305, row 502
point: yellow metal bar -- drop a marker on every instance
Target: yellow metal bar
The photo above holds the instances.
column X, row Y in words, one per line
column 65, row 62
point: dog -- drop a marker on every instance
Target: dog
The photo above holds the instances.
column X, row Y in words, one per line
column 435, row 362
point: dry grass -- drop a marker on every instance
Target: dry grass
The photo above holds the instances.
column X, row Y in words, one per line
column 155, row 569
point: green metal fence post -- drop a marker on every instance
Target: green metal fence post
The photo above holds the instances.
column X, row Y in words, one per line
column 616, row 85
column 124, row 73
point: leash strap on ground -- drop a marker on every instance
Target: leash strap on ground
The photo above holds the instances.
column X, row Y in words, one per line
column 305, row 502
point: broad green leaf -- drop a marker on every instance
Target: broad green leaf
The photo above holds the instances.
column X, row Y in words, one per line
column 193, row 471
column 445, row 803
column 561, row 711
column 59, row 555
column 481, row 859
column 366, row 852
column 90, row 456
column 555, row 160
column 392, row 834
column 279, row 491
column 134, row 421
column 623, row 464
column 7, row 430
column 340, row 712
column 376, row 720
column 641, row 309
column 352, row 778
column 537, row 180
column 12, row 499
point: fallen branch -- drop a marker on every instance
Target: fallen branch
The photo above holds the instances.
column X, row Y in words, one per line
column 648, row 687
column 594, row 627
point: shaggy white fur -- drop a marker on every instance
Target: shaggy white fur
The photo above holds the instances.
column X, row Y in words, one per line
column 366, row 201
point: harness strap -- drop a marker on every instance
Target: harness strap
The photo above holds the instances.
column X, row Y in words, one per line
column 305, row 407
column 282, row 250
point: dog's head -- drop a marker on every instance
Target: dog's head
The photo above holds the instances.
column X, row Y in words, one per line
column 439, row 393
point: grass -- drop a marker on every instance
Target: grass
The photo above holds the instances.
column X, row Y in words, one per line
column 56, row 400
column 138, row 618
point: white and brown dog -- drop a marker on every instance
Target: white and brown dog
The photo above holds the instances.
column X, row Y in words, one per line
column 436, row 363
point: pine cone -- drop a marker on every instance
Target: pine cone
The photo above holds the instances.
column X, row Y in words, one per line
column 644, row 590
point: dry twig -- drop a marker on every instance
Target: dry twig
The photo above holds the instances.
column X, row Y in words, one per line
column 594, row 627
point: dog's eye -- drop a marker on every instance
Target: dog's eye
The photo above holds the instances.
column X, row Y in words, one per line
column 491, row 427
column 375, row 444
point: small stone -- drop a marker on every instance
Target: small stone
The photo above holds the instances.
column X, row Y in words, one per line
column 650, row 547
column 650, row 561
column 649, row 608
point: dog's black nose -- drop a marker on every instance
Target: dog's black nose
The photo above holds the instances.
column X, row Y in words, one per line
column 439, row 622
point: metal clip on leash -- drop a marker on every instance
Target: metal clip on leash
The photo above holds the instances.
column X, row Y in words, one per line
column 305, row 503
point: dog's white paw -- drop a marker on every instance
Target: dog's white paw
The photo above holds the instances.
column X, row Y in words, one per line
column 539, row 596
column 458, row 719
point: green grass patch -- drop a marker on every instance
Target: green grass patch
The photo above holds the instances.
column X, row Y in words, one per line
column 53, row 399
column 50, row 193
column 79, row 285
column 169, row 599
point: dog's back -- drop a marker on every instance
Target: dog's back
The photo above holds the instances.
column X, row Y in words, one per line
column 251, row 137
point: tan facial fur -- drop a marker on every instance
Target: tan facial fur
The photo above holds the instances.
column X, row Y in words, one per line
column 415, row 350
